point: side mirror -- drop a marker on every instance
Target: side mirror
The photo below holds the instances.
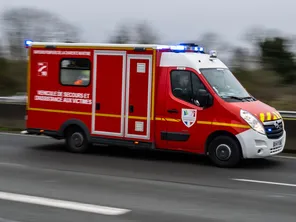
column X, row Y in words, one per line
column 204, row 97
column 177, row 92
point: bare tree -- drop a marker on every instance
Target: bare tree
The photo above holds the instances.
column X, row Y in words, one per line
column 144, row 33
column 39, row 25
column 122, row 34
column 141, row 33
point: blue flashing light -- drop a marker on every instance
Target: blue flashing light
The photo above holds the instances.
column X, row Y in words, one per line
column 28, row 43
column 184, row 48
column 269, row 130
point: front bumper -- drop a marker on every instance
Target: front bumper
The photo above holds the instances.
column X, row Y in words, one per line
column 256, row 145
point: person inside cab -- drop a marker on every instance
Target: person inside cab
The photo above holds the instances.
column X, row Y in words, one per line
column 83, row 79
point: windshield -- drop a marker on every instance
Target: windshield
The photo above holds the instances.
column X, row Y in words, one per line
column 224, row 83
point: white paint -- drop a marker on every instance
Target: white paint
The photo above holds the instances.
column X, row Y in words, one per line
column 12, row 164
column 266, row 182
column 141, row 67
column 62, row 97
column 142, row 57
column 188, row 117
column 251, row 141
column 108, row 53
column 90, row 208
column 7, row 220
column 189, row 60
column 154, row 46
column 61, row 52
column 139, row 126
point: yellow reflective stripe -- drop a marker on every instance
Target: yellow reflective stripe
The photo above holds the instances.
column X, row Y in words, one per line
column 278, row 115
column 85, row 113
column 224, row 124
column 138, row 117
column 204, row 122
column 262, row 117
column 172, row 120
column 231, row 125
column 268, row 116
column 59, row 111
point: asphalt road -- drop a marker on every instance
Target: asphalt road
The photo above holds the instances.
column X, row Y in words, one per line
column 137, row 186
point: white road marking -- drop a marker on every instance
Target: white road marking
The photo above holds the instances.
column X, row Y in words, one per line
column 110, row 211
column 6, row 220
column 265, row 182
column 12, row 164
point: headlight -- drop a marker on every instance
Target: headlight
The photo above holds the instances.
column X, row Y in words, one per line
column 252, row 121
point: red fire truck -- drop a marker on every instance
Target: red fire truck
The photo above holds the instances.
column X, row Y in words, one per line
column 147, row 96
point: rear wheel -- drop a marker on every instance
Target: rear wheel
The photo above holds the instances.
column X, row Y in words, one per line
column 224, row 151
column 76, row 140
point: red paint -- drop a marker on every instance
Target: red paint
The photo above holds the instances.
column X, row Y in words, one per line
column 108, row 93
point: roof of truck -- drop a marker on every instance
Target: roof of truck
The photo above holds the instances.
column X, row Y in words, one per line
column 113, row 45
column 195, row 60
column 190, row 59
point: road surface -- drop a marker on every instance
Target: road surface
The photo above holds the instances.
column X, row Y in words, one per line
column 39, row 181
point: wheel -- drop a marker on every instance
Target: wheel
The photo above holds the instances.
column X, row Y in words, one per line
column 224, row 151
column 76, row 140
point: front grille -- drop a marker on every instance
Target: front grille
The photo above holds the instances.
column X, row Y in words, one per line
column 274, row 129
column 275, row 150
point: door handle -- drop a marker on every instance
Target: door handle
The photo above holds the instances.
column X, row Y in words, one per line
column 173, row 111
column 131, row 108
column 98, row 106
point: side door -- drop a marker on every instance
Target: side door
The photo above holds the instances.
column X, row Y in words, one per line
column 183, row 110
column 138, row 97
column 108, row 93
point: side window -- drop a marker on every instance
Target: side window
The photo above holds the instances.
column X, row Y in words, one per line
column 181, row 84
column 75, row 72
column 197, row 85
column 187, row 86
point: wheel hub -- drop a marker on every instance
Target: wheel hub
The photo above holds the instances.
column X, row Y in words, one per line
column 77, row 139
column 223, row 152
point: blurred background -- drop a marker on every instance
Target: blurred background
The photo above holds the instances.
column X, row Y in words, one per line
column 256, row 39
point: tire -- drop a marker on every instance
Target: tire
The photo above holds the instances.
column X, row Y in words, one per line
column 224, row 151
column 76, row 140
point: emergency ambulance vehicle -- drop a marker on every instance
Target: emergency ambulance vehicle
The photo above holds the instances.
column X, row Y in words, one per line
column 147, row 96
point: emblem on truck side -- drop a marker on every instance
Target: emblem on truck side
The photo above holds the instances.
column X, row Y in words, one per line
column 42, row 68
column 189, row 117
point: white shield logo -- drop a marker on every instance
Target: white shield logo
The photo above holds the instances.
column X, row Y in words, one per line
column 189, row 117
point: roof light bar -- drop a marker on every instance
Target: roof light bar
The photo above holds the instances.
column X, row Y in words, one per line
column 28, row 43
column 183, row 48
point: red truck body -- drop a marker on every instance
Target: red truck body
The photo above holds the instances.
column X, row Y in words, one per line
column 126, row 96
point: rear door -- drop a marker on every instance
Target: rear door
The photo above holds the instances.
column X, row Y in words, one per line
column 138, row 96
column 108, row 93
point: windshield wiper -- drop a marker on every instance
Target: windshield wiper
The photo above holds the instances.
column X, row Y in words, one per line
column 234, row 97
column 240, row 98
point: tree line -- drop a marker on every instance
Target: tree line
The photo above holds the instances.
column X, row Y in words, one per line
column 267, row 62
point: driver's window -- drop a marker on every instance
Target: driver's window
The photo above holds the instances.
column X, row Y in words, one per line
column 181, row 84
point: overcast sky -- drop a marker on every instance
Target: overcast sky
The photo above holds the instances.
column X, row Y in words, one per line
column 173, row 20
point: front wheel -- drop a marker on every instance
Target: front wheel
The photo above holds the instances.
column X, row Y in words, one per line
column 224, row 151
column 76, row 140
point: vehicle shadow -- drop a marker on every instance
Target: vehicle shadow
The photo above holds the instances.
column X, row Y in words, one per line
column 157, row 156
